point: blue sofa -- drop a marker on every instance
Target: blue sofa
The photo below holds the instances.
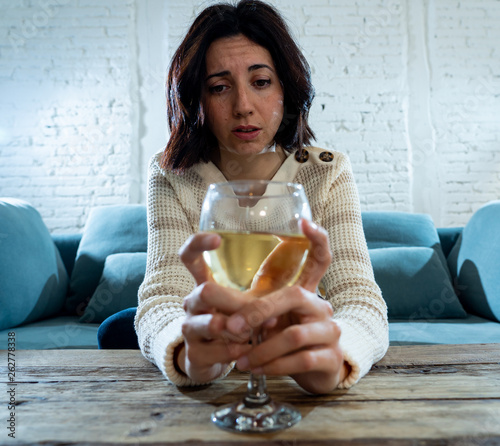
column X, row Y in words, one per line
column 441, row 285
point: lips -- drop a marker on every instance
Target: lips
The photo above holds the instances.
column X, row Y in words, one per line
column 246, row 132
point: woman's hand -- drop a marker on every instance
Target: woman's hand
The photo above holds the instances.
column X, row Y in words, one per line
column 299, row 337
column 208, row 349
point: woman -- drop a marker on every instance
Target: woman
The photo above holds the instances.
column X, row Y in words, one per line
column 239, row 94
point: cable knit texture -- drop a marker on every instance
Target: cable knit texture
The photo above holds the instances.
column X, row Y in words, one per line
column 174, row 205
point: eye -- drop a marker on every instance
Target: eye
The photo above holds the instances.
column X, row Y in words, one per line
column 262, row 83
column 217, row 89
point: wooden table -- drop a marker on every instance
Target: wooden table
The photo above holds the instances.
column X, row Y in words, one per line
column 417, row 395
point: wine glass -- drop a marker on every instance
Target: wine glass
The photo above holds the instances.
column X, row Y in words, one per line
column 262, row 249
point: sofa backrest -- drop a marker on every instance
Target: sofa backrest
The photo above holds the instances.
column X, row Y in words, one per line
column 394, row 239
column 410, row 266
column 67, row 244
column 475, row 262
column 448, row 238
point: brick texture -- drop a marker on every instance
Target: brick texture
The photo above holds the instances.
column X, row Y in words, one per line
column 411, row 92
column 66, row 108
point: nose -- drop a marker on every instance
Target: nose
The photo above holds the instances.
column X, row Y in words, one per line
column 242, row 104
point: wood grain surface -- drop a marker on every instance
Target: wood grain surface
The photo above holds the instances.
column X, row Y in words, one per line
column 417, row 395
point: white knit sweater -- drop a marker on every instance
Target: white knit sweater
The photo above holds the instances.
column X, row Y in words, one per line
column 174, row 204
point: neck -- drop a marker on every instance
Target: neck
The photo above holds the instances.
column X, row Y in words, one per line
column 260, row 166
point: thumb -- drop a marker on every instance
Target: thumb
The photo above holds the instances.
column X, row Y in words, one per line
column 191, row 254
column 319, row 257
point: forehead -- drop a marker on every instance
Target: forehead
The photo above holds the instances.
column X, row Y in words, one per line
column 233, row 51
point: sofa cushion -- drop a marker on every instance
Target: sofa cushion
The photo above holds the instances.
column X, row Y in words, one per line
column 388, row 229
column 118, row 287
column 475, row 262
column 60, row 332
column 391, row 229
column 32, row 276
column 414, row 284
column 109, row 230
column 470, row 330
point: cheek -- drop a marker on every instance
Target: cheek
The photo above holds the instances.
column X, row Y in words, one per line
column 278, row 111
column 216, row 113
column 210, row 115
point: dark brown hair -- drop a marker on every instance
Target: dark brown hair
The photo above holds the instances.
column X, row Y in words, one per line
column 191, row 141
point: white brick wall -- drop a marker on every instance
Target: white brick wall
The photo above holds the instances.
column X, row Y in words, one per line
column 410, row 90
column 466, row 104
column 66, row 112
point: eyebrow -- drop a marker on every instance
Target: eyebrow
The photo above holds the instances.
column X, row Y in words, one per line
column 254, row 67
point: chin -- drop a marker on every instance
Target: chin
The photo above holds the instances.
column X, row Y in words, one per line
column 249, row 149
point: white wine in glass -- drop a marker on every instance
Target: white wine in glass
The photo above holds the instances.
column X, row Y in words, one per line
column 262, row 249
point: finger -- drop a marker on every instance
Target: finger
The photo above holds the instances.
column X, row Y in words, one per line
column 293, row 339
column 191, row 254
column 281, row 267
column 270, row 323
column 319, row 257
column 204, row 327
column 305, row 361
column 202, row 355
column 210, row 297
column 305, row 305
column 207, row 343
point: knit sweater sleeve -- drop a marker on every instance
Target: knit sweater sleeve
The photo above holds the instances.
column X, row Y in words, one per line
column 160, row 314
column 359, row 309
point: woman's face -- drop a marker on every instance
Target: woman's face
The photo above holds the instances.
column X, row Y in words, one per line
column 242, row 95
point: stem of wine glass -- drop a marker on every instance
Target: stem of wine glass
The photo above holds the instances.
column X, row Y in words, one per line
column 256, row 389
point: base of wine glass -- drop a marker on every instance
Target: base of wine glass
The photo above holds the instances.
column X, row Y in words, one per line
column 270, row 417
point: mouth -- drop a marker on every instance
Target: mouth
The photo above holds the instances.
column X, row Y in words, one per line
column 246, row 132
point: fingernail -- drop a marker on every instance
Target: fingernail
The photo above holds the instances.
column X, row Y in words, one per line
column 270, row 323
column 242, row 363
column 236, row 324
